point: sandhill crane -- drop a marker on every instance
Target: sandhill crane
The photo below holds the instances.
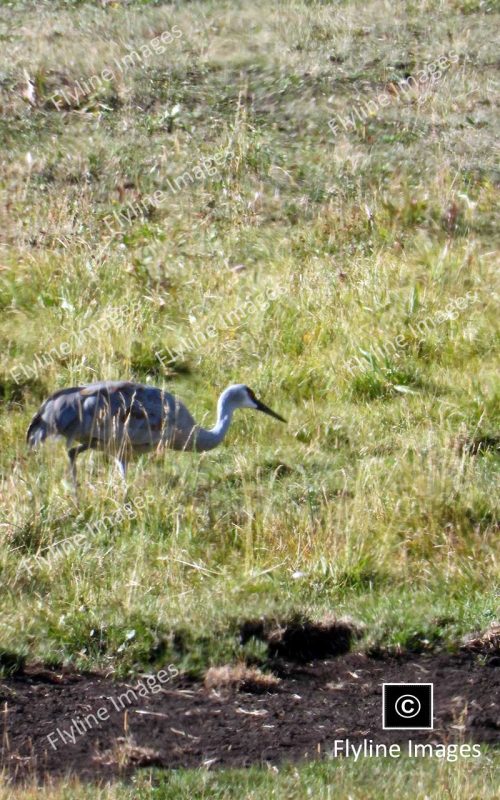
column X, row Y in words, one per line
column 122, row 418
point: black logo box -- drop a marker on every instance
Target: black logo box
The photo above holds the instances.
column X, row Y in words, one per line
column 407, row 706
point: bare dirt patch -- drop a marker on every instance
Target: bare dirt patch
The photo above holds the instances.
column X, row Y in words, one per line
column 189, row 724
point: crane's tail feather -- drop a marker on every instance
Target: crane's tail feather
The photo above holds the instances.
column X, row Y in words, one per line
column 37, row 431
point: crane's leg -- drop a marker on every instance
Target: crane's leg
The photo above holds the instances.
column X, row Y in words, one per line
column 122, row 467
column 73, row 452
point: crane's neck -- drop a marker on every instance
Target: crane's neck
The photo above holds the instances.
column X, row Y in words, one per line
column 208, row 439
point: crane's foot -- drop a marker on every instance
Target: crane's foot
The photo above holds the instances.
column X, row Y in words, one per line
column 122, row 468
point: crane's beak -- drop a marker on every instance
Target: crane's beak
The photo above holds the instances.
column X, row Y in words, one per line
column 262, row 407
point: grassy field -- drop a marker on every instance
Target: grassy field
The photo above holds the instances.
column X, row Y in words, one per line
column 375, row 780
column 323, row 229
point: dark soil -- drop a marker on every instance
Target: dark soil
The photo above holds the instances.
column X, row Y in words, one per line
column 187, row 725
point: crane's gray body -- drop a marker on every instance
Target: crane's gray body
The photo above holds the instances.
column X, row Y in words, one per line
column 123, row 417
column 117, row 416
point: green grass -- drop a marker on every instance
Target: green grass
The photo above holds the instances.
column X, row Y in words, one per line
column 415, row 779
column 372, row 502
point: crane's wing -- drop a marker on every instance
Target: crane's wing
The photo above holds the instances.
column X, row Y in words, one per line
column 143, row 416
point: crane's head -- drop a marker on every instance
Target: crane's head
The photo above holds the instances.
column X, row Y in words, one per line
column 241, row 396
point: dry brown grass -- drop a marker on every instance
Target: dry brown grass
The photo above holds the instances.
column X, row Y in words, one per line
column 240, row 677
column 487, row 642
